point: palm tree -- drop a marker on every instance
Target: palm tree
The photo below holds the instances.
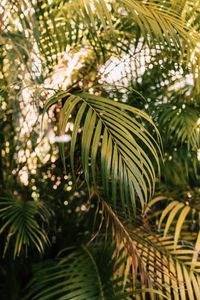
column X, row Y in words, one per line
column 100, row 139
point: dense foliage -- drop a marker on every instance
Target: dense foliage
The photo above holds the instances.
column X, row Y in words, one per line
column 100, row 149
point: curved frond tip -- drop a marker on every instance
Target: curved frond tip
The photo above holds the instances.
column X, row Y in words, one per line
column 78, row 274
column 115, row 134
column 21, row 226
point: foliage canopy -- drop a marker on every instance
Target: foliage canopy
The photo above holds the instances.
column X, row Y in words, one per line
column 100, row 149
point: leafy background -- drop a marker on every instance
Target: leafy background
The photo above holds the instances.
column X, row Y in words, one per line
column 99, row 149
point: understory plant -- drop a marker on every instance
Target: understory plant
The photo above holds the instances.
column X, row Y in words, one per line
column 99, row 149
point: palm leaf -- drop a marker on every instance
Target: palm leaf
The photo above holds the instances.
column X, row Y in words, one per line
column 180, row 121
column 79, row 273
column 177, row 217
column 172, row 272
column 113, row 132
column 153, row 18
column 20, row 225
column 58, row 25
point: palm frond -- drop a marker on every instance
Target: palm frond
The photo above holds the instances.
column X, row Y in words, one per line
column 173, row 272
column 79, row 273
column 114, row 132
column 179, row 6
column 178, row 217
column 54, row 31
column 153, row 18
column 181, row 165
column 136, row 248
column 153, row 260
column 21, row 226
column 180, row 121
column 58, row 25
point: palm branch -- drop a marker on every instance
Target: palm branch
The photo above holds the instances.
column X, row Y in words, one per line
column 20, row 224
column 180, row 120
column 78, row 273
column 119, row 150
column 156, row 264
column 178, row 216
column 125, row 166
column 56, row 25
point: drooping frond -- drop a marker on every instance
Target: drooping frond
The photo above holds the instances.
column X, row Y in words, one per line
column 136, row 248
column 178, row 217
column 21, row 225
column 114, row 132
column 58, row 25
column 153, row 18
column 156, row 264
column 180, row 121
column 174, row 272
column 80, row 273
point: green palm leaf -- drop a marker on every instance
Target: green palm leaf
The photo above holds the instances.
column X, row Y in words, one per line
column 178, row 216
column 182, row 122
column 58, row 25
column 80, row 273
column 172, row 273
column 113, row 132
column 20, row 225
column 154, row 19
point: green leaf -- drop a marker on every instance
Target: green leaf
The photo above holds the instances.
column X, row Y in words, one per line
column 78, row 274
column 21, row 226
column 120, row 148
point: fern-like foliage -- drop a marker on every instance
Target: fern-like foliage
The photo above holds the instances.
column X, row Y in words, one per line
column 180, row 121
column 179, row 216
column 20, row 224
column 117, row 144
column 113, row 132
column 61, row 24
column 78, row 273
column 154, row 19
column 159, row 269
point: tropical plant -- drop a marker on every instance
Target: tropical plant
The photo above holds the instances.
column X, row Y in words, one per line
column 100, row 149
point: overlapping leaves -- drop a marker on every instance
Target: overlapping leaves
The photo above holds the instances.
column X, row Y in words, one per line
column 78, row 274
column 58, row 25
column 158, row 269
column 21, row 226
column 181, row 121
column 178, row 217
column 153, row 18
column 114, row 133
